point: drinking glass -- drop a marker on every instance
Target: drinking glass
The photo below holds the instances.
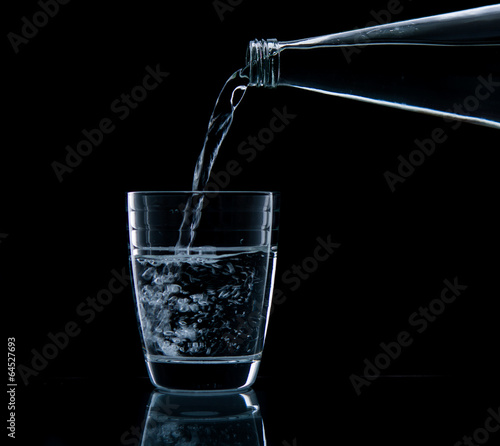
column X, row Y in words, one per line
column 203, row 419
column 203, row 270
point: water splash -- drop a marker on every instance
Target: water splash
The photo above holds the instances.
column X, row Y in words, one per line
column 219, row 124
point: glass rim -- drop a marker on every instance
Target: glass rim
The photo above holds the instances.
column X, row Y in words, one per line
column 206, row 192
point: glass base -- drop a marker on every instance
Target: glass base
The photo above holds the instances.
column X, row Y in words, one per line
column 200, row 374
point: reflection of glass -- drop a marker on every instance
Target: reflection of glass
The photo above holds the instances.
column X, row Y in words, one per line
column 189, row 419
column 203, row 306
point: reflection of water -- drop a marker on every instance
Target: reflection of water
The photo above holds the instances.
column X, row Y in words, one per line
column 190, row 419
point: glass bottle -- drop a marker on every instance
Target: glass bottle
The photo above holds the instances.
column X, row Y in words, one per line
column 447, row 65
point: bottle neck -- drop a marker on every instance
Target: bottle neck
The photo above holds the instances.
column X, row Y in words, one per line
column 263, row 59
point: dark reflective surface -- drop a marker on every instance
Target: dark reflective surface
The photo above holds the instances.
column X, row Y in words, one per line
column 192, row 419
column 392, row 411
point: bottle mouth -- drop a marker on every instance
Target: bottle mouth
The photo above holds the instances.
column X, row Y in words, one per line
column 263, row 60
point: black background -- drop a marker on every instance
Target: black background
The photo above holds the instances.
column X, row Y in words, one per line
column 61, row 240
